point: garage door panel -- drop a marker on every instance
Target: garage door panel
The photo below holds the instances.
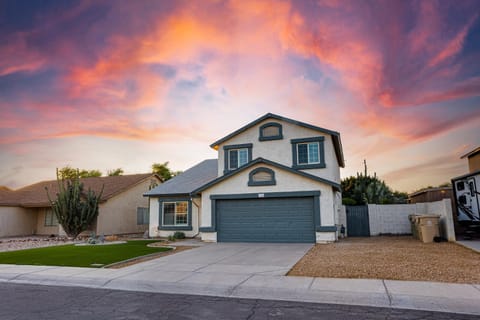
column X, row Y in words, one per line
column 266, row 220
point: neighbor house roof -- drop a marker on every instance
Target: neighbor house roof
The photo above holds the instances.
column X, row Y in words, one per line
column 337, row 143
column 335, row 185
column 416, row 193
column 188, row 181
column 35, row 195
column 471, row 153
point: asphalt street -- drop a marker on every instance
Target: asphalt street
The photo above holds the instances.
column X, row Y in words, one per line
column 22, row 301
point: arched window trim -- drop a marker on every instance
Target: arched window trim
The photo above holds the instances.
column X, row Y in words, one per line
column 268, row 138
column 270, row 182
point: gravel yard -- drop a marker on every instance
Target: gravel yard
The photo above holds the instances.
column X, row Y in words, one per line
column 394, row 258
column 20, row 243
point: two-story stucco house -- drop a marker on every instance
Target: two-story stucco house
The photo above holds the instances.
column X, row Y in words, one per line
column 275, row 180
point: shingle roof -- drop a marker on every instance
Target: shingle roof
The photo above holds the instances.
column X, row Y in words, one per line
column 191, row 179
column 35, row 195
column 337, row 142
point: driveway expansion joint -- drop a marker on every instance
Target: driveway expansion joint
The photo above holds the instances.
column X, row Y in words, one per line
column 232, row 290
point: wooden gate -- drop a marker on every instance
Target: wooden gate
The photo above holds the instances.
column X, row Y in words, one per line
column 358, row 224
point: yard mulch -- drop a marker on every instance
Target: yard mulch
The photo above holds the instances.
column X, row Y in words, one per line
column 392, row 258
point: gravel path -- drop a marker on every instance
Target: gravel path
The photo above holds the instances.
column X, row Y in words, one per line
column 395, row 258
column 20, row 243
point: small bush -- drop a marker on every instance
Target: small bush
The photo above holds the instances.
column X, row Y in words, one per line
column 348, row 202
column 171, row 238
column 179, row 235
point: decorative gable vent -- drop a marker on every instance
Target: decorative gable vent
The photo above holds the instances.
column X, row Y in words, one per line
column 271, row 131
column 261, row 177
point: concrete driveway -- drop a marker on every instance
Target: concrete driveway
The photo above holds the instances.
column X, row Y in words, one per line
column 229, row 258
column 213, row 268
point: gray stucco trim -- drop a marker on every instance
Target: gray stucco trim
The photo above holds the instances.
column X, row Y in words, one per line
column 337, row 143
column 226, row 157
column 321, row 153
column 293, row 194
column 296, row 194
column 271, row 182
column 207, row 229
column 326, row 229
column 179, row 195
column 261, row 137
column 188, row 227
column 335, row 185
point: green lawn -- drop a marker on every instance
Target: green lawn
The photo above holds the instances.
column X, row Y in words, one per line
column 80, row 256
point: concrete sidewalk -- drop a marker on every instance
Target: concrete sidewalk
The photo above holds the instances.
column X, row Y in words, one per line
column 457, row 298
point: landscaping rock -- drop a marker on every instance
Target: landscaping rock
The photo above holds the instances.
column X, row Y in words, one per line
column 393, row 258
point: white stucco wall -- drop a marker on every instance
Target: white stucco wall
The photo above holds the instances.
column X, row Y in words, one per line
column 17, row 221
column 155, row 219
column 280, row 151
column 118, row 215
column 393, row 218
column 285, row 182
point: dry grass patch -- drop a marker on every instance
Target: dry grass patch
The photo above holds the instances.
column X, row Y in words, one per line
column 394, row 258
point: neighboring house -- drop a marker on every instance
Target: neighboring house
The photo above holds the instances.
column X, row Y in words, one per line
column 122, row 207
column 431, row 195
column 473, row 160
column 275, row 180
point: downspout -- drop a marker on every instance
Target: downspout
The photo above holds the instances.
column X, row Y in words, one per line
column 198, row 216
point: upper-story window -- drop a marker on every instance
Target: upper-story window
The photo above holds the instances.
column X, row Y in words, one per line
column 308, row 153
column 271, row 131
column 237, row 156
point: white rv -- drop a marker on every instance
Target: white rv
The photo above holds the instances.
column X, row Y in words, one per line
column 466, row 190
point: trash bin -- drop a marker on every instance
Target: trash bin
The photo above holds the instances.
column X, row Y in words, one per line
column 428, row 227
column 414, row 224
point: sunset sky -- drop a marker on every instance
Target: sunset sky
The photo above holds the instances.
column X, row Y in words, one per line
column 108, row 84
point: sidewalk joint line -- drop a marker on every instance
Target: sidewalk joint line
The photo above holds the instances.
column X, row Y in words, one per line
column 311, row 284
column 388, row 293
column 475, row 287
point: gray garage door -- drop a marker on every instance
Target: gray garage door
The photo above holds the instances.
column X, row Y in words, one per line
column 265, row 220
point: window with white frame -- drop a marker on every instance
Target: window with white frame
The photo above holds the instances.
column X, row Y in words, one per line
column 237, row 158
column 308, row 153
column 50, row 218
column 175, row 213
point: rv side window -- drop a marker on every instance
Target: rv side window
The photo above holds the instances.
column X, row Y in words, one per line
column 462, row 199
column 460, row 186
column 472, row 188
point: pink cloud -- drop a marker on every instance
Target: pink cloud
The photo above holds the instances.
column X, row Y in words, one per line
column 16, row 56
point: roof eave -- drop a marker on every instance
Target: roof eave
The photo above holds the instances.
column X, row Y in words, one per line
column 471, row 153
column 198, row 191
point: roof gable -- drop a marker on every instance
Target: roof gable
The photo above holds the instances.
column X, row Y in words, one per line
column 335, row 185
column 337, row 143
